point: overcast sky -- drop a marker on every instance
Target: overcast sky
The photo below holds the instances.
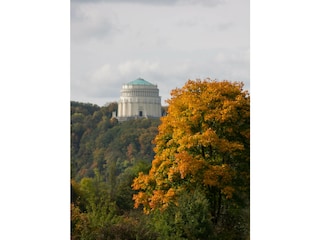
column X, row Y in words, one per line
column 166, row 42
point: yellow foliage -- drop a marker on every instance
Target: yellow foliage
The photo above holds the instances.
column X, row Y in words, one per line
column 218, row 176
column 142, row 182
column 187, row 164
column 155, row 201
column 205, row 131
column 228, row 191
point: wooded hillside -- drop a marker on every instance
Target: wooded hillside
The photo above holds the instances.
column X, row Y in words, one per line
column 186, row 176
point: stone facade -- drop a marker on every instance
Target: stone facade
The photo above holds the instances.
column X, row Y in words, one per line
column 139, row 99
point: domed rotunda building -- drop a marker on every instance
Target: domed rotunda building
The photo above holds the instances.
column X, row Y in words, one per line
column 139, row 98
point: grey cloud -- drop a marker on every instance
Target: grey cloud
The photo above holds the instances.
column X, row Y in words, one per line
column 208, row 3
column 181, row 43
column 224, row 26
column 86, row 25
column 91, row 31
column 187, row 23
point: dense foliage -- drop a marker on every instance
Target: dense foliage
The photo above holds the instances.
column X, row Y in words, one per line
column 194, row 186
column 202, row 148
column 98, row 140
column 105, row 158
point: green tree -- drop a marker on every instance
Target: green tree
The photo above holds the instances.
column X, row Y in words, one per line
column 188, row 219
column 99, row 213
column 124, row 192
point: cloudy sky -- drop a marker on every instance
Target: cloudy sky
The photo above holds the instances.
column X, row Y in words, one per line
column 166, row 42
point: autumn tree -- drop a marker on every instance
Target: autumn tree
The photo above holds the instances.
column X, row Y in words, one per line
column 203, row 143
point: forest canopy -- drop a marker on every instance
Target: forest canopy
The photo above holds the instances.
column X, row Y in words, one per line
column 185, row 176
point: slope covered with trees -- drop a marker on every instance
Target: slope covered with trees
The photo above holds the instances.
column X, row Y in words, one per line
column 105, row 158
column 98, row 141
column 194, row 185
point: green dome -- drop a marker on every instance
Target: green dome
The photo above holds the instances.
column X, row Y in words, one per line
column 139, row 81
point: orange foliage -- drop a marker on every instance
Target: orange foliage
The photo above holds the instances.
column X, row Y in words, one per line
column 205, row 131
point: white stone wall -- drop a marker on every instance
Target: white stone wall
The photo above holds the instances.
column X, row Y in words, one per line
column 139, row 101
